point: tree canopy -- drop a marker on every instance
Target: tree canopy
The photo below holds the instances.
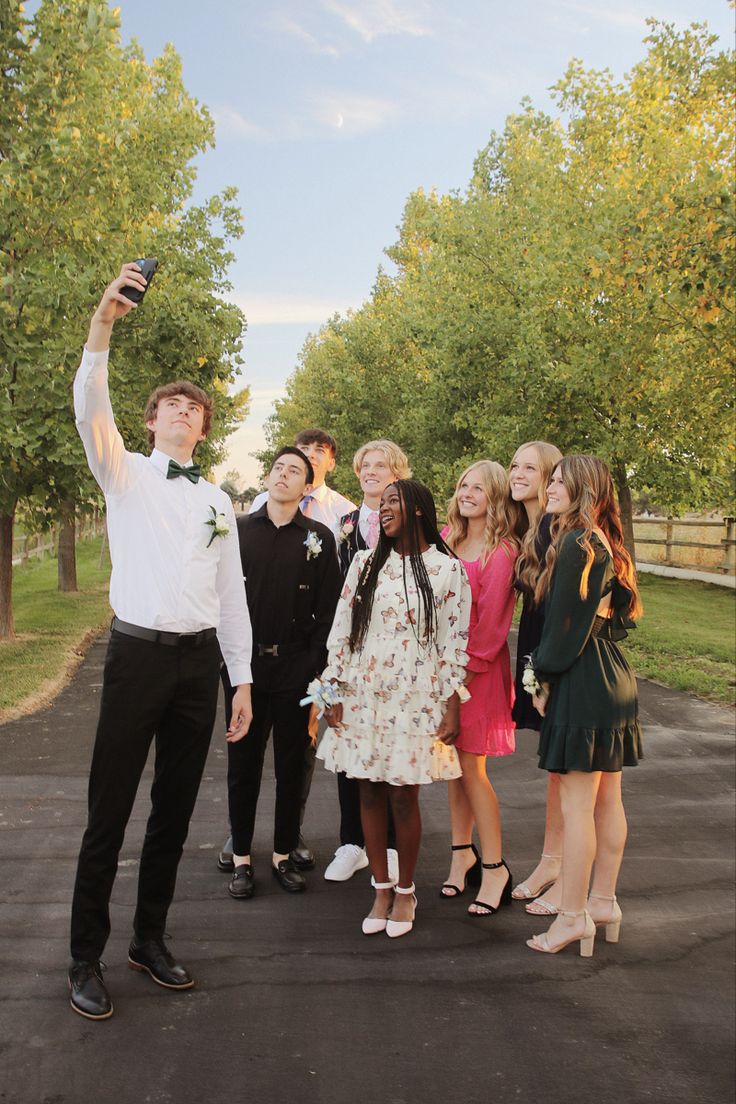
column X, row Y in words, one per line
column 578, row 291
column 96, row 151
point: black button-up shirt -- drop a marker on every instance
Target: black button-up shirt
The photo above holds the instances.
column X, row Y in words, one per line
column 291, row 597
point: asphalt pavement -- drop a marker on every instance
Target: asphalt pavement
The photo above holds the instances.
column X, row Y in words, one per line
column 293, row 1003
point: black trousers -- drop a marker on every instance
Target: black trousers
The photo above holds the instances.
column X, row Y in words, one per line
column 351, row 828
column 280, row 711
column 149, row 690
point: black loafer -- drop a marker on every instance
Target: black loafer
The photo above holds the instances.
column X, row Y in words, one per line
column 289, row 878
column 87, row 993
column 242, row 884
column 152, row 956
column 225, row 858
column 301, row 857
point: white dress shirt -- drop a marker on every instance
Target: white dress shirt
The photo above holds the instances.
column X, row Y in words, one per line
column 163, row 574
column 328, row 506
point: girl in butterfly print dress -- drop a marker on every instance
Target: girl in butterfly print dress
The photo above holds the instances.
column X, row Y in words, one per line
column 397, row 651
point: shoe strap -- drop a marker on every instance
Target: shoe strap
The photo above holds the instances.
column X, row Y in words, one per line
column 461, row 846
column 562, row 912
column 546, row 855
column 382, row 885
column 405, row 892
column 493, row 866
column 600, row 897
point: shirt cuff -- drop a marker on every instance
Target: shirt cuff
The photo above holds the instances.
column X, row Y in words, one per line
column 239, row 673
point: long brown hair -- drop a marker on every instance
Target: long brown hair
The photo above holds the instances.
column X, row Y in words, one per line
column 528, row 565
column 593, row 506
column 500, row 517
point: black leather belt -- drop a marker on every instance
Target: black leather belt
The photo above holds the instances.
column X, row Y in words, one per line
column 159, row 637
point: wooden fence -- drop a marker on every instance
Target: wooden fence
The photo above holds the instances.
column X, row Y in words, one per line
column 27, row 546
column 702, row 544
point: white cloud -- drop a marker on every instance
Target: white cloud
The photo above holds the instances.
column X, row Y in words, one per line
column 290, row 26
column 231, row 123
column 353, row 114
column 284, row 310
column 372, row 18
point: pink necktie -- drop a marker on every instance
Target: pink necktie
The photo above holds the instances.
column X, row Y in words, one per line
column 372, row 539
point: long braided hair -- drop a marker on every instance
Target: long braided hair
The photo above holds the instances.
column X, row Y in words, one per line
column 418, row 514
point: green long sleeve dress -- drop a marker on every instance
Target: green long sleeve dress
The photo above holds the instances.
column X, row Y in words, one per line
column 591, row 722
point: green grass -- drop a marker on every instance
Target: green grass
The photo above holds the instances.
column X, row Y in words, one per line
column 687, row 637
column 50, row 625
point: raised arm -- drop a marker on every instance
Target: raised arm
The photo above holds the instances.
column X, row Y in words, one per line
column 103, row 444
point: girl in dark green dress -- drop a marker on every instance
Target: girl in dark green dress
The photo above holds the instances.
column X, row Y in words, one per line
column 586, row 694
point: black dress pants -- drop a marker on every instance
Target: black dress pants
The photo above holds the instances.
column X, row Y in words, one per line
column 281, row 711
column 149, row 690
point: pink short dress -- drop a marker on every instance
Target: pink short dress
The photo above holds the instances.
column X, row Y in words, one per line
column 486, row 725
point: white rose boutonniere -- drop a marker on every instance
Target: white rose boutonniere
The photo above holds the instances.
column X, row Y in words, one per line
column 345, row 531
column 219, row 525
column 313, row 544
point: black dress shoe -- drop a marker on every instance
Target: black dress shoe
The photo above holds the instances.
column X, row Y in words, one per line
column 225, row 862
column 152, row 956
column 289, row 878
column 301, row 857
column 242, row 884
column 225, row 858
column 88, row 995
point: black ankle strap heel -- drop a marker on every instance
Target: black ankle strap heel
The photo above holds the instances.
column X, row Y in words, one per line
column 505, row 898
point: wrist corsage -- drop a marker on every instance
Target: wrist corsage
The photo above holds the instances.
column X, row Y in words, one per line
column 322, row 694
column 219, row 525
column 529, row 679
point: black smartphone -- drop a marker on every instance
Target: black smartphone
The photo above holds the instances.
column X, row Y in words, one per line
column 148, row 266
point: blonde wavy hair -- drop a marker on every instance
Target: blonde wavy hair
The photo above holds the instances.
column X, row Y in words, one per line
column 500, row 517
column 588, row 482
column 394, row 456
column 528, row 565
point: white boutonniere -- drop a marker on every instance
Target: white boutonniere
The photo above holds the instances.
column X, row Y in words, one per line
column 218, row 524
column 345, row 531
column 313, row 544
column 529, row 680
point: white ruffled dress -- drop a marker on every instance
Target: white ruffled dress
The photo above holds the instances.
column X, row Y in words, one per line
column 395, row 688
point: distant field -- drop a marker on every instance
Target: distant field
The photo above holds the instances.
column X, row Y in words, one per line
column 50, row 625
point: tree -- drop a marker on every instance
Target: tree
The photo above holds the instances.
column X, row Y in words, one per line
column 95, row 168
column 578, row 291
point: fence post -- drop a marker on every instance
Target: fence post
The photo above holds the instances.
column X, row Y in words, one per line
column 668, row 541
column 729, row 548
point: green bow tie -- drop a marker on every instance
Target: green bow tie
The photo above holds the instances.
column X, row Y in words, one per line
column 192, row 473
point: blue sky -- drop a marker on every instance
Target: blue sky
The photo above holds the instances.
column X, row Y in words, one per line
column 330, row 112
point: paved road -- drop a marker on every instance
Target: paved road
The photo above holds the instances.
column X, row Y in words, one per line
column 294, row 1004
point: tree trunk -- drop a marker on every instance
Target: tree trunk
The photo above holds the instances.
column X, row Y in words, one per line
column 625, row 506
column 67, row 561
column 7, row 628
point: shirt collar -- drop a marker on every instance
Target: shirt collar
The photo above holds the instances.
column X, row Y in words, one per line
column 366, row 511
column 319, row 494
column 298, row 518
column 160, row 460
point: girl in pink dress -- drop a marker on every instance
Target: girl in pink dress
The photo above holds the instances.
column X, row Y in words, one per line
column 480, row 532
